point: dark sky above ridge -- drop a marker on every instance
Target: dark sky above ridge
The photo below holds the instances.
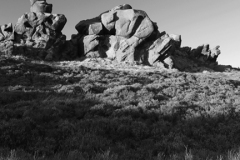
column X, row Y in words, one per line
column 215, row 22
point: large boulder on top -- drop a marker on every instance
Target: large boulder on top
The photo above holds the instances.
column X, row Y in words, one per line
column 90, row 26
column 133, row 23
column 127, row 22
column 121, row 7
column 131, row 27
column 40, row 6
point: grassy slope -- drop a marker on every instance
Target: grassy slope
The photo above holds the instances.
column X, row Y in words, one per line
column 87, row 109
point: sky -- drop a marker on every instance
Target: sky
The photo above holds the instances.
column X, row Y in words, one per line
column 214, row 22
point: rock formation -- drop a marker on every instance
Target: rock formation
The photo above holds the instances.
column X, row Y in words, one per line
column 36, row 34
column 121, row 33
column 126, row 34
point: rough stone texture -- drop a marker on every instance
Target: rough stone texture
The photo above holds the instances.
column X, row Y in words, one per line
column 108, row 20
column 90, row 26
column 177, row 39
column 122, row 7
column 88, row 45
column 40, row 6
column 40, row 25
column 159, row 50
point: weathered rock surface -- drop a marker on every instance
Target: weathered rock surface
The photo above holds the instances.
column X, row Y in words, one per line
column 90, row 27
column 40, row 6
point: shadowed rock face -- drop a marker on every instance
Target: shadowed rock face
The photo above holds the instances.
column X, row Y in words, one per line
column 40, row 6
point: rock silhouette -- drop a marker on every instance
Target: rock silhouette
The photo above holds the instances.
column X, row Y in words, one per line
column 121, row 33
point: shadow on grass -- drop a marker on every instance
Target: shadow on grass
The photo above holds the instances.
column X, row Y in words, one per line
column 48, row 124
column 47, row 111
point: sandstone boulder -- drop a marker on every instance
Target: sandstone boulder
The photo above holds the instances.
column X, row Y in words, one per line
column 158, row 51
column 90, row 26
column 128, row 22
column 109, row 20
column 127, row 47
column 40, row 6
column 88, row 46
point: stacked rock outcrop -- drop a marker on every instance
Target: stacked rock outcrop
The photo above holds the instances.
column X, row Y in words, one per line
column 121, row 33
column 37, row 33
column 126, row 34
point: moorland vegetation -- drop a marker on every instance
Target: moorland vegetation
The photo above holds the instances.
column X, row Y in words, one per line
column 65, row 110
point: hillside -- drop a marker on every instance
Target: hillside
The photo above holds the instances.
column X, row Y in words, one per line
column 119, row 89
column 99, row 109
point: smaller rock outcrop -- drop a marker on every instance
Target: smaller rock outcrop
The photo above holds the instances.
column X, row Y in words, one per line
column 37, row 34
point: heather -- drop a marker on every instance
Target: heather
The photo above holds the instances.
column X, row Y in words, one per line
column 87, row 110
